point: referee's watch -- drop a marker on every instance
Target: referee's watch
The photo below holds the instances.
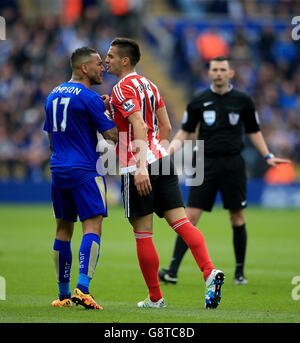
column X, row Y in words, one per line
column 269, row 156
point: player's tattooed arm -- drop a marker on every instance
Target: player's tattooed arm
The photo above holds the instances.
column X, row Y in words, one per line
column 111, row 135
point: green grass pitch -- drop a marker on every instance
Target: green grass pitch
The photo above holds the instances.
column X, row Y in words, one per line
column 273, row 260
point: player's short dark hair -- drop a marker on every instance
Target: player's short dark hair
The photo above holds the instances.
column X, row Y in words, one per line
column 221, row 59
column 127, row 48
column 79, row 54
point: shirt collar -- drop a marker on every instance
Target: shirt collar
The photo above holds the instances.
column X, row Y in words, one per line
column 229, row 89
column 128, row 75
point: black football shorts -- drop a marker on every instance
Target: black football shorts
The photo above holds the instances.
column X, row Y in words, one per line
column 165, row 195
column 226, row 174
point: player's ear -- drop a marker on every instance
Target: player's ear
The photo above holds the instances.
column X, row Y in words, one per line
column 232, row 73
column 126, row 61
column 84, row 68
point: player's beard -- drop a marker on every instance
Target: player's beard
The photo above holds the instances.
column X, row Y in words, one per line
column 96, row 80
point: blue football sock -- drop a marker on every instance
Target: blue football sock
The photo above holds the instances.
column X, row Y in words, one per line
column 64, row 290
column 88, row 258
column 83, row 282
column 63, row 262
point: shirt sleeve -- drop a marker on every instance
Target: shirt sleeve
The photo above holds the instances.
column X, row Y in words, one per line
column 161, row 103
column 190, row 119
column 125, row 101
column 250, row 117
column 96, row 109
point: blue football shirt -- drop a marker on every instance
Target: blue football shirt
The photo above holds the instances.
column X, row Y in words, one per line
column 74, row 114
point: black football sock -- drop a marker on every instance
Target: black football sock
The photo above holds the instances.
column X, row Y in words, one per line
column 239, row 244
column 178, row 253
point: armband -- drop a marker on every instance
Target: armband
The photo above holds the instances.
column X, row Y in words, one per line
column 269, row 156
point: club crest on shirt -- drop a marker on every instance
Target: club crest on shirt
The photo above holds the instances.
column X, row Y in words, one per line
column 128, row 105
column 209, row 117
column 233, row 118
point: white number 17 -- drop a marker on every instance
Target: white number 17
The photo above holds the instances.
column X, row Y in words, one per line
column 63, row 124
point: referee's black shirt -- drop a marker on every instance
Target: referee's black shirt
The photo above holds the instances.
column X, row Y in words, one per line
column 222, row 118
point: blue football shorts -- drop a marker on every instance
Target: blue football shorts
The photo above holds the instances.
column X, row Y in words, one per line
column 86, row 201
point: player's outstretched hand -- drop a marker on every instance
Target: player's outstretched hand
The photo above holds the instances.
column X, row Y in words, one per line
column 275, row 161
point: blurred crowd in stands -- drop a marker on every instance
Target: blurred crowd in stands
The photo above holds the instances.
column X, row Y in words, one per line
column 265, row 58
column 237, row 9
column 34, row 59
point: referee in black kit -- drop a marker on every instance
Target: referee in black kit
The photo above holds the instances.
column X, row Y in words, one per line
column 223, row 113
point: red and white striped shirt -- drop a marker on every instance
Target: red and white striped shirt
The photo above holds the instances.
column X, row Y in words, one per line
column 136, row 93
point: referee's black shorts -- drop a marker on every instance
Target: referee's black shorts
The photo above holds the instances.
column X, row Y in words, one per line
column 226, row 174
column 165, row 195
